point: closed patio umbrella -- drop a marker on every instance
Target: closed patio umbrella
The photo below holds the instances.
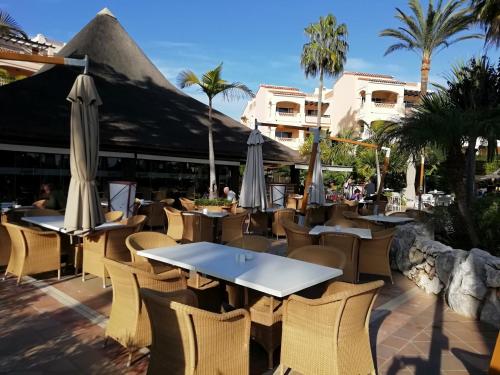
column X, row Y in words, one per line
column 83, row 211
column 317, row 189
column 253, row 188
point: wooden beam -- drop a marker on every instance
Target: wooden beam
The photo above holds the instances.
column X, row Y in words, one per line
column 351, row 141
column 4, row 55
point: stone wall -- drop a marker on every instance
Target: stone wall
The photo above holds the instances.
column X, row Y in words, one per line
column 469, row 280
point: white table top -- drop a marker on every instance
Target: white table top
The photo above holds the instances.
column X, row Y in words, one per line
column 361, row 232
column 387, row 219
column 212, row 214
column 267, row 273
column 56, row 223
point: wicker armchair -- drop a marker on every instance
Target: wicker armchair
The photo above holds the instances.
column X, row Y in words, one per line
column 149, row 240
column 188, row 340
column 291, row 202
column 232, row 226
column 105, row 244
column 196, row 227
column 329, row 335
column 128, row 321
column 33, row 251
column 5, row 245
column 175, row 226
column 315, row 216
column 335, row 211
column 168, row 201
column 187, row 204
column 296, row 235
column 349, row 245
column 343, row 222
column 113, row 216
column 136, row 221
column 367, row 224
column 350, row 214
column 278, row 217
column 374, row 254
column 154, row 215
column 259, row 223
column 252, row 242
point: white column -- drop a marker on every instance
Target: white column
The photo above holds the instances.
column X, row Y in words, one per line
column 400, row 105
column 368, row 101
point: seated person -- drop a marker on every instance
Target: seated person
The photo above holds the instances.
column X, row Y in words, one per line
column 370, row 188
column 52, row 198
column 230, row 195
column 356, row 195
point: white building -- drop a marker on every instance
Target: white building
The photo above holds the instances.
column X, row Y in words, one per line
column 286, row 114
column 363, row 98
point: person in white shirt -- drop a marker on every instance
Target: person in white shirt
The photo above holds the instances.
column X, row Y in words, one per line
column 230, row 195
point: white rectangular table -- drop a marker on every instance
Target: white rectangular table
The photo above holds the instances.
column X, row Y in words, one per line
column 387, row 219
column 212, row 214
column 56, row 223
column 267, row 273
column 361, row 232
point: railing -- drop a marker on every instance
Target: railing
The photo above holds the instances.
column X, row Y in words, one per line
column 289, row 142
column 384, row 105
column 325, row 119
column 289, row 114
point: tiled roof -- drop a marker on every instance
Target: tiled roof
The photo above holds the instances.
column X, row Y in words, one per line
column 369, row 75
column 288, row 93
column 280, row 87
column 387, row 81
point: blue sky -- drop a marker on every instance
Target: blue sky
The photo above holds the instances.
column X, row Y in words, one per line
column 258, row 41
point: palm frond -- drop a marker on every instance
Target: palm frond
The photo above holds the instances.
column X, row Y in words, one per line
column 8, row 25
column 187, row 78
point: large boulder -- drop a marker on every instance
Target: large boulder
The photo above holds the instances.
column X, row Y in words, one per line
column 404, row 240
column 490, row 312
column 492, row 276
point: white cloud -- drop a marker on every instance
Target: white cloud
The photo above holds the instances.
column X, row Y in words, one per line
column 358, row 64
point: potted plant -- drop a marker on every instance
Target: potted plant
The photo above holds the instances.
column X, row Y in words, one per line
column 213, row 205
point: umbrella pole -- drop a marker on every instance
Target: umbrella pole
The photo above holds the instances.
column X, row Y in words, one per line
column 312, row 161
column 384, row 173
column 421, row 181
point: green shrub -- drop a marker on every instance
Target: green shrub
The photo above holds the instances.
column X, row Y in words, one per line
column 212, row 202
column 487, row 218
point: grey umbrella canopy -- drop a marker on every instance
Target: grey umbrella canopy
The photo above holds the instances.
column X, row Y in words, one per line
column 253, row 188
column 317, row 189
column 83, row 211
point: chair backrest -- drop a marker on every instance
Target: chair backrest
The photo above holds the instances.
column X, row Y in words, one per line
column 335, row 211
column 113, row 216
column 323, row 255
column 154, row 214
column 196, row 227
column 42, row 212
column 232, row 226
column 202, row 342
column 187, row 204
column 111, row 242
column 252, row 242
column 398, row 214
column 175, row 225
column 291, row 202
column 347, row 244
column 168, row 201
column 136, row 221
column 296, row 235
column 330, row 335
column 350, row 214
column 366, row 224
column 279, row 216
column 315, row 216
column 147, row 240
column 343, row 222
column 258, row 223
column 5, row 245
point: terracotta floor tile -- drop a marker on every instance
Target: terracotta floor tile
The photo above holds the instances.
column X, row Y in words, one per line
column 395, row 342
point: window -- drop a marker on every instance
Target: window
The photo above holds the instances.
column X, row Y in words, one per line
column 283, row 134
column 312, row 112
column 284, row 110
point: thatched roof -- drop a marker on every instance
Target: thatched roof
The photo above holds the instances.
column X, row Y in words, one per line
column 142, row 111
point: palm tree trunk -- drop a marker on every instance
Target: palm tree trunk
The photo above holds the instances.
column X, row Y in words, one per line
column 314, row 148
column 211, row 155
column 424, row 75
column 470, row 170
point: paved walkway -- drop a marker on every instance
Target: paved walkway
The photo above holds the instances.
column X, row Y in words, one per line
column 52, row 326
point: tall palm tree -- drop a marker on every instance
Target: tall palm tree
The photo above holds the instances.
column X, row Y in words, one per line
column 212, row 84
column 324, row 54
column 430, row 32
column 9, row 26
column 487, row 13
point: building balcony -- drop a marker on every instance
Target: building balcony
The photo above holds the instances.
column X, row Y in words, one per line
column 325, row 120
column 293, row 143
column 371, row 111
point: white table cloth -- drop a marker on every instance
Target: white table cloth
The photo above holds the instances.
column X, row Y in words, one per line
column 56, row 223
column 212, row 214
column 361, row 232
column 267, row 273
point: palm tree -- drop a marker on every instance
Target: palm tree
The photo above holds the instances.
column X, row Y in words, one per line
column 9, row 26
column 212, row 85
column 324, row 54
column 430, row 32
column 487, row 13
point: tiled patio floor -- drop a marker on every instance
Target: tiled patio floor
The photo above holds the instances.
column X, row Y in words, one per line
column 57, row 327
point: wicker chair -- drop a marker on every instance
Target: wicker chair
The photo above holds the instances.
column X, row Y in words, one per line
column 329, row 335
column 324, row 255
column 113, row 216
column 168, row 201
column 5, row 245
column 187, row 204
column 335, row 211
column 350, row 214
column 374, row 254
column 128, row 321
column 259, row 223
column 148, row 240
column 315, row 216
column 278, row 217
column 291, row 202
column 397, row 214
column 343, row 222
column 105, row 244
column 33, row 251
column 196, row 228
column 188, row 340
column 352, row 205
column 154, row 215
column 252, row 242
column 367, row 224
column 349, row 245
column 136, row 221
column 175, row 226
column 296, row 235
column 232, row 226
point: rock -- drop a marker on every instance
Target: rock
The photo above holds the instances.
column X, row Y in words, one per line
column 428, row 268
column 460, row 302
column 490, row 312
column 473, row 275
column 430, row 285
column 415, row 256
column 431, row 261
column 492, row 276
column 447, row 262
